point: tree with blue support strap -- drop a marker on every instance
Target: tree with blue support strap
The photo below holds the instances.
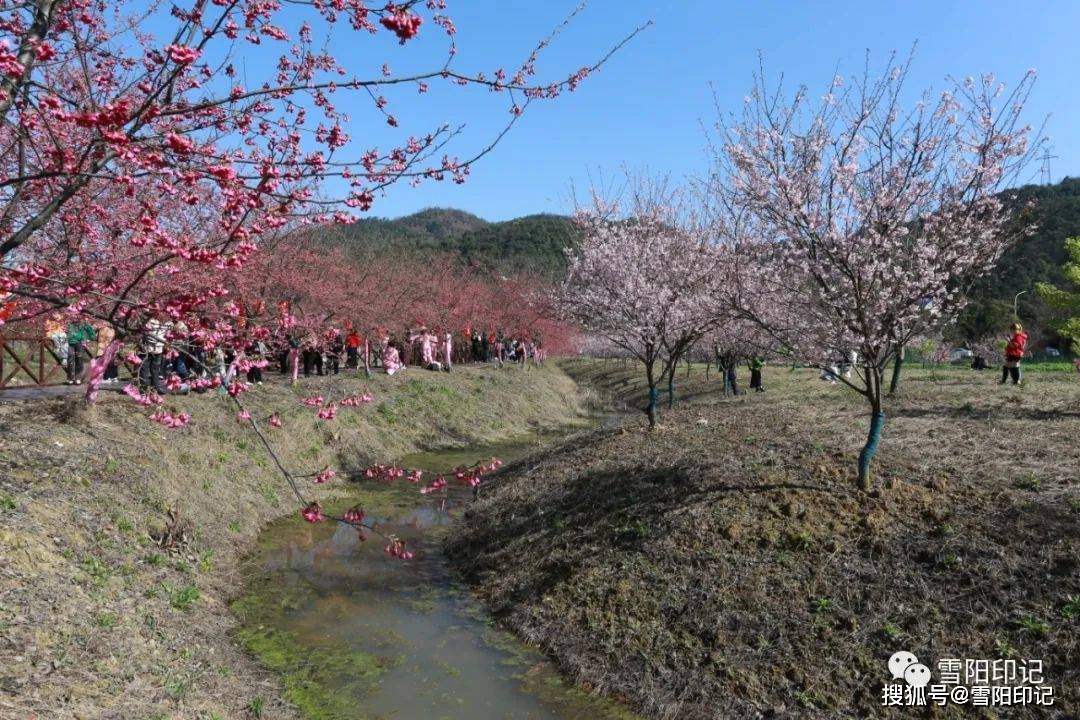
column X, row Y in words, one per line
column 860, row 218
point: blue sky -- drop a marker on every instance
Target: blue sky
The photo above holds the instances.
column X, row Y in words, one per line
column 646, row 108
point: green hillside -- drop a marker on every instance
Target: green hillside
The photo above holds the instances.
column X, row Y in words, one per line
column 534, row 243
column 1055, row 209
column 425, row 230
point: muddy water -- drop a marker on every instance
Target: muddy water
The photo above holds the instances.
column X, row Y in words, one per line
column 358, row 634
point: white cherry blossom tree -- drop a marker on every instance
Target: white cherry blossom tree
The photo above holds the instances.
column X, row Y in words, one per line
column 641, row 278
column 863, row 219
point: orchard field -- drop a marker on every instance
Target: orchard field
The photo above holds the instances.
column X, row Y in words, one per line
column 726, row 559
column 252, row 470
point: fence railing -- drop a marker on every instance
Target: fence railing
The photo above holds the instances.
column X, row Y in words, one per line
column 27, row 360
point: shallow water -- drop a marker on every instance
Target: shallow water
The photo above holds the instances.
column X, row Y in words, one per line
column 396, row 639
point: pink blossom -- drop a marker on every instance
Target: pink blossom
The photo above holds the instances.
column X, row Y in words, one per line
column 169, row 420
column 134, row 393
column 396, row 548
column 182, row 55
column 9, row 62
column 224, row 173
column 384, row 472
column 438, row 484
column 403, row 24
column 312, row 513
column 44, row 52
column 179, row 143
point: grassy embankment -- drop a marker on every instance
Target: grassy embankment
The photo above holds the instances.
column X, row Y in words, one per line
column 725, row 565
column 97, row 621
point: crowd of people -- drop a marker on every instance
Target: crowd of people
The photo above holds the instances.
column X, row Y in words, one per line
column 431, row 349
column 167, row 351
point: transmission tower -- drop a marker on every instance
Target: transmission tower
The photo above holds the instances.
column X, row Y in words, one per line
column 1046, row 157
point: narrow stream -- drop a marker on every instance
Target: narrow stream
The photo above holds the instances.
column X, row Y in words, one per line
column 358, row 634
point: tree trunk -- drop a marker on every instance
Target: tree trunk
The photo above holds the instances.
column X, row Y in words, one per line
column 689, row 364
column 650, row 410
column 877, row 424
column 898, row 363
column 866, row 457
column 654, row 394
column 671, row 386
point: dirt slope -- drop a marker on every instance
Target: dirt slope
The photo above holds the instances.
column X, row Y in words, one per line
column 96, row 621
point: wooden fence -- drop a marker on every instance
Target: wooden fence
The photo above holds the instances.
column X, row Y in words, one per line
column 27, row 360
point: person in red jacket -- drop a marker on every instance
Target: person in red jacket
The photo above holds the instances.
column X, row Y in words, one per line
column 1014, row 353
column 352, row 349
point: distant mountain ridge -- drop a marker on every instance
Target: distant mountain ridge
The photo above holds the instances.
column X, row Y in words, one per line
column 534, row 243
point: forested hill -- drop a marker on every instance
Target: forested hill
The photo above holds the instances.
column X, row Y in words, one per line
column 534, row 243
column 1055, row 210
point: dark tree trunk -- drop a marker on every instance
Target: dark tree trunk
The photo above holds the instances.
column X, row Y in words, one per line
column 877, row 424
column 671, row 386
column 654, row 394
column 898, row 364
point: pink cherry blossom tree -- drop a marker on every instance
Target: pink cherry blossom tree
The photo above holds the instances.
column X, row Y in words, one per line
column 641, row 279
column 138, row 170
column 96, row 109
column 863, row 218
column 598, row 346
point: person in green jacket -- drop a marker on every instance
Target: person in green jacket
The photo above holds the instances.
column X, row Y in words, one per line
column 79, row 337
column 756, row 363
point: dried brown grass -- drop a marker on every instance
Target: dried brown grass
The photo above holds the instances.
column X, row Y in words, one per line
column 97, row 621
column 725, row 566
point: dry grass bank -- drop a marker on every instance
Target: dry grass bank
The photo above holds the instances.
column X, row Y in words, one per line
column 724, row 566
column 96, row 621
